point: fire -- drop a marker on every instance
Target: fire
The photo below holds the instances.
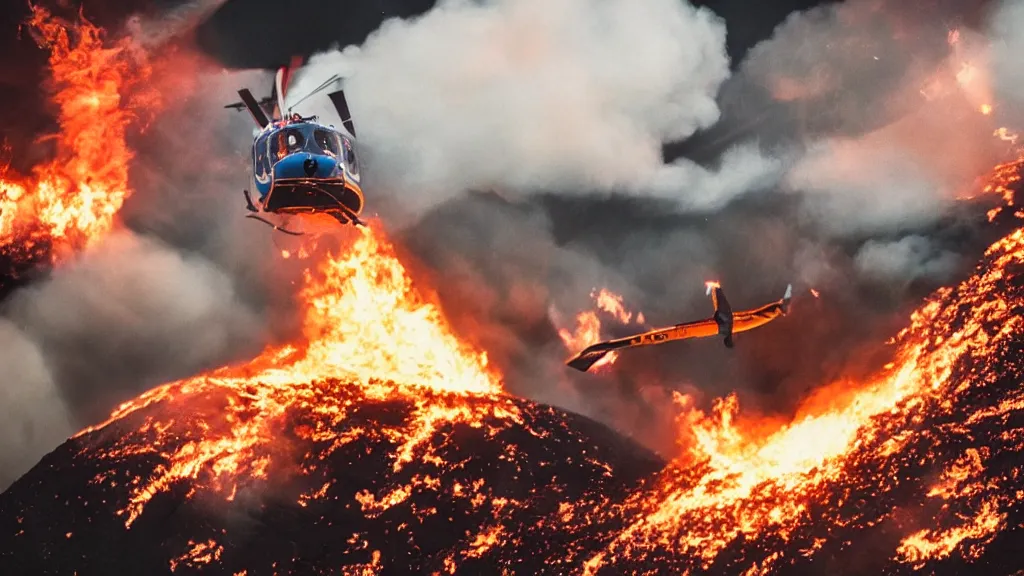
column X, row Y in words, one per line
column 743, row 478
column 612, row 304
column 588, row 324
column 815, row 293
column 72, row 200
column 1005, row 135
column 369, row 334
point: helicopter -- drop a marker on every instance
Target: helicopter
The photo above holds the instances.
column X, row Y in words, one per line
column 301, row 168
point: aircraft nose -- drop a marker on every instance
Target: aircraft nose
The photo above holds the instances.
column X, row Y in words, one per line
column 305, row 166
column 310, row 166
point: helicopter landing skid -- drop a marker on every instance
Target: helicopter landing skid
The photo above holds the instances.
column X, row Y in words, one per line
column 345, row 216
column 275, row 226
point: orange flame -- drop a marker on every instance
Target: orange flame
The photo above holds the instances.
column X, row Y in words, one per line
column 588, row 324
column 72, row 200
column 751, row 478
column 366, row 327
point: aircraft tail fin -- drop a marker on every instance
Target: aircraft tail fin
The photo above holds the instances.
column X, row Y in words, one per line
column 723, row 311
column 787, row 298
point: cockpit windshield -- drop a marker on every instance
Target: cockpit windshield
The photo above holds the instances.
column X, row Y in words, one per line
column 289, row 141
column 305, row 138
column 327, row 141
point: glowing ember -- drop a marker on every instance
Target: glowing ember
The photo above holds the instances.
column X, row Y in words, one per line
column 72, row 200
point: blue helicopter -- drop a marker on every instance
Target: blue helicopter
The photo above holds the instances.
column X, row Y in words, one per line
column 300, row 167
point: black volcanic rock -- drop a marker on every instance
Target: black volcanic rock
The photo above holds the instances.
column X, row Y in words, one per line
column 472, row 497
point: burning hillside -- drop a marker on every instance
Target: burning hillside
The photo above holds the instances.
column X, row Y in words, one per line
column 381, row 443
column 320, row 457
column 67, row 203
column 382, row 431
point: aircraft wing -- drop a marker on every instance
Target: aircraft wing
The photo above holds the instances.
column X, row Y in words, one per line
column 756, row 317
column 595, row 352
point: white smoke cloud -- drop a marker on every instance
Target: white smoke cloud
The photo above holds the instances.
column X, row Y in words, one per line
column 1005, row 24
column 856, row 186
column 744, row 169
column 890, row 112
column 130, row 314
column 525, row 94
column 33, row 418
column 905, row 260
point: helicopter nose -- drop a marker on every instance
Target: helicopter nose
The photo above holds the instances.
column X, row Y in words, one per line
column 310, row 166
column 305, row 166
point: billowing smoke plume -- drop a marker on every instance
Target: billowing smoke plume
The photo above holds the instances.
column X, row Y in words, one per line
column 129, row 315
column 33, row 419
column 521, row 95
column 843, row 145
column 518, row 143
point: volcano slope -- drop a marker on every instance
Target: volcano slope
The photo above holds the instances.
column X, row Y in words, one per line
column 919, row 469
column 373, row 481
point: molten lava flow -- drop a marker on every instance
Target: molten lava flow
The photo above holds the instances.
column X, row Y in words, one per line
column 735, row 484
column 588, row 324
column 71, row 201
column 371, row 336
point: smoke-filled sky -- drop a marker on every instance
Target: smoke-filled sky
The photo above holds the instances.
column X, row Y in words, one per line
column 515, row 147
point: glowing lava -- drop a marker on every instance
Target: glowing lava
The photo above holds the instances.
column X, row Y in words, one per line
column 366, row 327
column 738, row 485
column 72, row 200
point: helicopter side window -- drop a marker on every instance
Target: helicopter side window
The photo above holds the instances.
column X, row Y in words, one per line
column 260, row 161
column 350, row 156
column 328, row 142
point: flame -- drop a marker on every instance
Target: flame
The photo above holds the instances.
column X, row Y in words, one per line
column 741, row 477
column 1005, row 135
column 815, row 293
column 612, row 304
column 72, row 200
column 368, row 332
column 985, row 109
column 588, row 324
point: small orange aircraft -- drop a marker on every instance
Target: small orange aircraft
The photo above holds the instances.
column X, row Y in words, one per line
column 724, row 322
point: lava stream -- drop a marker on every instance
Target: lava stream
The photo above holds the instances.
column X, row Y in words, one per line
column 733, row 483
